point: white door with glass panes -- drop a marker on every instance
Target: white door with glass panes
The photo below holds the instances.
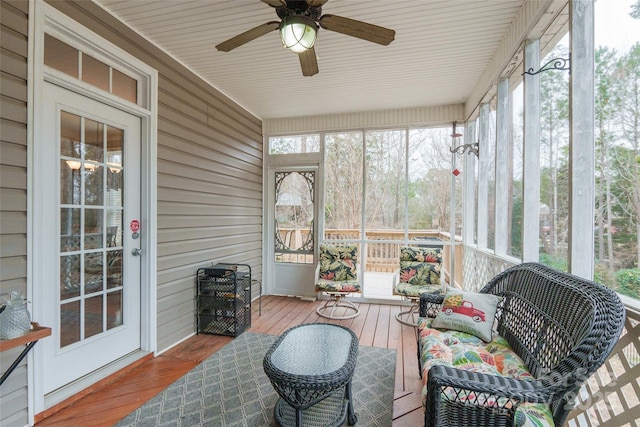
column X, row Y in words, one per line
column 87, row 210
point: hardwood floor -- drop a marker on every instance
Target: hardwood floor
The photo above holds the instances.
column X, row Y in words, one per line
column 375, row 326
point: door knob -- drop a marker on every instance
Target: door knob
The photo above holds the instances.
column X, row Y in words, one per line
column 136, row 251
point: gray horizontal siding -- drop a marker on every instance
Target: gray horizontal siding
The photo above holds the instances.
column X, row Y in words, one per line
column 13, row 190
column 209, row 176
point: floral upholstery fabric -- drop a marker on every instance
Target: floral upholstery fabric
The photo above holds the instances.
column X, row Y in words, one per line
column 433, row 255
column 409, row 290
column 338, row 269
column 465, row 351
column 419, row 271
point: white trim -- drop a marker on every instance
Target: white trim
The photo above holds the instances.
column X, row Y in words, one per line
column 31, row 76
column 44, row 17
column 483, row 176
column 503, row 176
column 531, row 156
column 581, row 139
column 469, row 190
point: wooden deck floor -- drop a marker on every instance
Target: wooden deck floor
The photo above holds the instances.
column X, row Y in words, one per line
column 124, row 392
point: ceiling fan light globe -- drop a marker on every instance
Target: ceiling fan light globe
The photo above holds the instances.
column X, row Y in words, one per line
column 298, row 33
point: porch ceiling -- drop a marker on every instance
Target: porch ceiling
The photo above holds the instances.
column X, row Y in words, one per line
column 440, row 51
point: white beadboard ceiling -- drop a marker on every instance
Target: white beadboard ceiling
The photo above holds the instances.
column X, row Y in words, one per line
column 440, row 51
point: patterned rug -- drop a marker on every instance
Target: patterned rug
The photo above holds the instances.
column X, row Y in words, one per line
column 230, row 389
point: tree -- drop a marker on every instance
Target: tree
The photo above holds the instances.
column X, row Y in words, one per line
column 629, row 122
column 605, row 110
column 635, row 10
column 554, row 114
column 343, row 180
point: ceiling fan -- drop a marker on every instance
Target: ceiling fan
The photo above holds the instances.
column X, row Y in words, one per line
column 300, row 21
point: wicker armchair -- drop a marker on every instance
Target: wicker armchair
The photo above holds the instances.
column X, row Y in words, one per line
column 562, row 326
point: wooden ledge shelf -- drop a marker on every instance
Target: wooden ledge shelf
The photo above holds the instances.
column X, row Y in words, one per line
column 30, row 338
column 36, row 333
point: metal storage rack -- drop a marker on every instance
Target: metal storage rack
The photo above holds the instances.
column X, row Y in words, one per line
column 224, row 299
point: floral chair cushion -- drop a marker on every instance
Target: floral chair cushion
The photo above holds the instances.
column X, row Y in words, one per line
column 433, row 255
column 413, row 291
column 419, row 273
column 465, row 351
column 338, row 269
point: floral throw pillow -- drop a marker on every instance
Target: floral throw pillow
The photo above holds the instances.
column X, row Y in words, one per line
column 469, row 312
column 338, row 263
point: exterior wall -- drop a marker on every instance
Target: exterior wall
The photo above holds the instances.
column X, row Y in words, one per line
column 13, row 189
column 209, row 180
column 209, row 175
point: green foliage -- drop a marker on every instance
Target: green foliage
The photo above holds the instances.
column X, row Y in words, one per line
column 629, row 282
column 601, row 275
column 635, row 10
column 553, row 261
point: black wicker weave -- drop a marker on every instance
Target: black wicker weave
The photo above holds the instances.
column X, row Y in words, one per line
column 309, row 364
column 562, row 326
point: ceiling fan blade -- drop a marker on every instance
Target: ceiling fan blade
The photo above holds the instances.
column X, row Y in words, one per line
column 316, row 3
column 308, row 62
column 275, row 3
column 247, row 36
column 359, row 29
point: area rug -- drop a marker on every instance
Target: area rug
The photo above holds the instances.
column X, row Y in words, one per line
column 230, row 389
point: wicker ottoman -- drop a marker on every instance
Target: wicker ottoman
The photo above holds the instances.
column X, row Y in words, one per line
column 310, row 367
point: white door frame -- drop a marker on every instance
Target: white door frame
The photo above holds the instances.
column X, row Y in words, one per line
column 43, row 18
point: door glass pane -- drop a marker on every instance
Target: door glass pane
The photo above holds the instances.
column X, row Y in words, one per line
column 114, row 309
column 294, row 217
column 95, row 72
column 114, row 269
column 69, row 323
column 93, row 140
column 69, row 229
column 66, row 59
column 69, row 276
column 93, row 316
column 70, row 131
column 93, row 272
column 91, row 215
column 115, row 177
column 92, row 228
column 124, row 86
column 60, row 56
column 93, row 179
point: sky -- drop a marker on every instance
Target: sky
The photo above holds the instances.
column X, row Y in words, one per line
column 613, row 25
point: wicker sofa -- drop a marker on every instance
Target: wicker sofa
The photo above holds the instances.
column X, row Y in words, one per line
column 561, row 329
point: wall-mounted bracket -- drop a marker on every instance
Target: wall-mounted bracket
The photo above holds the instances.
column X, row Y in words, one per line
column 554, row 64
column 467, row 148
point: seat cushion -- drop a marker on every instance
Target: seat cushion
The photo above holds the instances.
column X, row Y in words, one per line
column 350, row 286
column 419, row 273
column 465, row 351
column 338, row 263
column 432, row 255
column 414, row 291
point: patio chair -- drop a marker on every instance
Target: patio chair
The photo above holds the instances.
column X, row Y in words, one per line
column 419, row 272
column 337, row 276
